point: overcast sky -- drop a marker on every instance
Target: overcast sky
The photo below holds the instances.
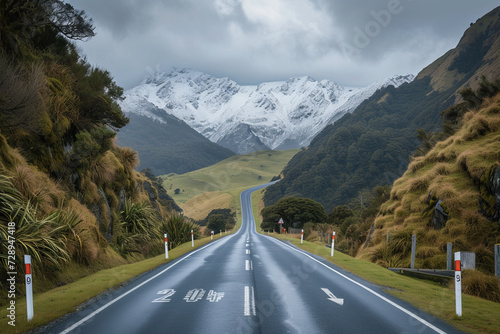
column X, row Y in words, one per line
column 352, row 42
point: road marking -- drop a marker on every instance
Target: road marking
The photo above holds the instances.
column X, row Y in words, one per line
column 332, row 297
column 248, row 265
column 248, row 245
column 215, row 297
column 248, row 251
column 166, row 298
column 102, row 308
column 249, row 305
column 194, row 295
column 411, row 314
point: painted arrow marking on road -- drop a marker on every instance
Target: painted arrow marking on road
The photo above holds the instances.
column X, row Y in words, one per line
column 332, row 297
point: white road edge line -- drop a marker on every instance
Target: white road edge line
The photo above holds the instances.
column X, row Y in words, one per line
column 102, row 308
column 411, row 314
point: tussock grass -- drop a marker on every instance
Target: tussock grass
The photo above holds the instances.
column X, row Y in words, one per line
column 476, row 283
column 104, row 169
column 453, row 171
column 426, row 252
column 443, row 168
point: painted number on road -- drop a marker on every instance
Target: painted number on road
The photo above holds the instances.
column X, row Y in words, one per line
column 167, row 293
column 215, row 297
column 194, row 295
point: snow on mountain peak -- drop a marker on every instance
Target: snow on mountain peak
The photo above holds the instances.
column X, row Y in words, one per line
column 276, row 115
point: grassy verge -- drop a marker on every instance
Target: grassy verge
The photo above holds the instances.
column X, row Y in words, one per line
column 53, row 304
column 479, row 315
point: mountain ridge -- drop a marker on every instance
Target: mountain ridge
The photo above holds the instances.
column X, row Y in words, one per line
column 271, row 115
column 371, row 146
column 167, row 144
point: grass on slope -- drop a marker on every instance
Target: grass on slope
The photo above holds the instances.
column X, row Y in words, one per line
column 235, row 172
column 220, row 185
column 479, row 315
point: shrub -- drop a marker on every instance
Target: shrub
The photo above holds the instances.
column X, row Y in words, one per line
column 479, row 284
column 178, row 229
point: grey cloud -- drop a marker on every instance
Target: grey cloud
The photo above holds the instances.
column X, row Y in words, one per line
column 322, row 38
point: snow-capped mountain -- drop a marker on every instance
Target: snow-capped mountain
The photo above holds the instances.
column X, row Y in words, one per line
column 272, row 115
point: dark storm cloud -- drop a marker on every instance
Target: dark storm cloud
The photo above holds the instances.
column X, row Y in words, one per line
column 352, row 42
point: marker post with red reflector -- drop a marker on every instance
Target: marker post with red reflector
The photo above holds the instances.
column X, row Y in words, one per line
column 29, row 287
column 302, row 237
column 212, row 235
column 192, row 239
column 333, row 241
column 166, row 247
column 458, row 285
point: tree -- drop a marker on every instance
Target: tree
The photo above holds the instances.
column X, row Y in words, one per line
column 22, row 21
column 216, row 222
column 295, row 211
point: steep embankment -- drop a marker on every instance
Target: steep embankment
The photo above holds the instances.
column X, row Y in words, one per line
column 371, row 146
column 69, row 196
column 447, row 195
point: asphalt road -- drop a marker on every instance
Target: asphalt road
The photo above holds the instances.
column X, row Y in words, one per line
column 250, row 283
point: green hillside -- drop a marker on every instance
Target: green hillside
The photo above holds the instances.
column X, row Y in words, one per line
column 170, row 146
column 234, row 172
column 219, row 186
column 372, row 146
column 451, row 194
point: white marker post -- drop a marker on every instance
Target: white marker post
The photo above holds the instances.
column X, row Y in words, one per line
column 333, row 242
column 29, row 287
column 458, row 284
column 212, row 235
column 166, row 247
column 302, row 237
column 192, row 239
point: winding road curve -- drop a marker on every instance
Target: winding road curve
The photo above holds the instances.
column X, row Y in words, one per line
column 250, row 283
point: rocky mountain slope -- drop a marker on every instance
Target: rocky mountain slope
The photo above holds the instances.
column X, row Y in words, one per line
column 272, row 115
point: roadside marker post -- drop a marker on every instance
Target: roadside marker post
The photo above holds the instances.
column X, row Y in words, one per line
column 458, row 285
column 302, row 237
column 29, row 287
column 166, row 246
column 333, row 242
column 192, row 239
column 212, row 235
